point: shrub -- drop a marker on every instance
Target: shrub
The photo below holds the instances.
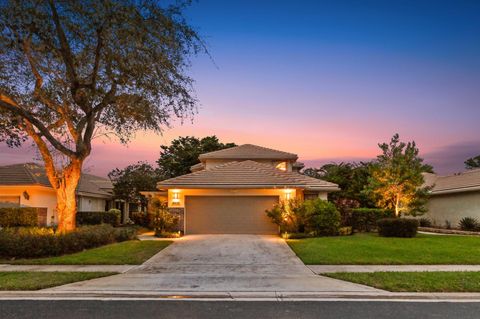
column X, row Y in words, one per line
column 323, row 218
column 425, row 222
column 448, row 224
column 345, row 231
column 365, row 219
column 162, row 220
column 345, row 207
column 296, row 235
column 43, row 242
column 290, row 216
column 397, row 227
column 141, row 219
column 469, row 223
column 176, row 234
column 316, row 216
column 111, row 217
column 18, row 216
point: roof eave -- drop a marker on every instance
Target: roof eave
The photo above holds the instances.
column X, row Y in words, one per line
column 455, row 190
column 250, row 186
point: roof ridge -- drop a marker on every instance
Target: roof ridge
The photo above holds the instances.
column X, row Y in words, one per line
column 245, row 150
column 269, row 149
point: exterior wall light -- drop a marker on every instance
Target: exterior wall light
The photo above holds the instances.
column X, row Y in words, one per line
column 288, row 194
column 176, row 197
column 26, row 195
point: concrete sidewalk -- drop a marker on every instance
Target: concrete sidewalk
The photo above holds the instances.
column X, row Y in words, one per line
column 72, row 268
column 322, row 269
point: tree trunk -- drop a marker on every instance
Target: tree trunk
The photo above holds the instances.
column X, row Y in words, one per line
column 66, row 196
column 397, row 206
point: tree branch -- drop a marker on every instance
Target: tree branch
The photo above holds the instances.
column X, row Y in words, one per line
column 45, row 152
column 8, row 104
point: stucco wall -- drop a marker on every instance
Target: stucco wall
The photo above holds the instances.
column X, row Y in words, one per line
column 90, row 204
column 39, row 196
column 453, row 207
column 214, row 162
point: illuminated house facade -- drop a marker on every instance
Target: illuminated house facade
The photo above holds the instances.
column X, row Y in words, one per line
column 229, row 190
column 27, row 185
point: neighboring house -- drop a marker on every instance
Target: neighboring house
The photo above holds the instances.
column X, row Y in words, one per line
column 454, row 197
column 229, row 190
column 27, row 185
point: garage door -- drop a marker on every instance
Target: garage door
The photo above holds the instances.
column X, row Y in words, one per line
column 229, row 215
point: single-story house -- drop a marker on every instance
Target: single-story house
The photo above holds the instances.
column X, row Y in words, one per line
column 453, row 197
column 27, row 185
column 229, row 190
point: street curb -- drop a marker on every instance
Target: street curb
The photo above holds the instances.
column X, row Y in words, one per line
column 240, row 296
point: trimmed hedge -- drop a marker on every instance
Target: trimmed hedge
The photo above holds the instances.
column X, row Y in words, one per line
column 33, row 242
column 111, row 217
column 365, row 219
column 397, row 227
column 18, row 217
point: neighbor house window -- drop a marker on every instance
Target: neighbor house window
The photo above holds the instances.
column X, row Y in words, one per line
column 282, row 166
column 9, row 201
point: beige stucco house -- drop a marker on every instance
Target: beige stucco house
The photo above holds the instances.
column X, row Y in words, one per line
column 229, row 190
column 454, row 197
column 27, row 185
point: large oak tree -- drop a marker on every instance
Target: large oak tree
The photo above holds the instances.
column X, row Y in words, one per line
column 73, row 70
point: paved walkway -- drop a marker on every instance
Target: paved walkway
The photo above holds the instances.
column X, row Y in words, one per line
column 75, row 268
column 321, row 269
column 219, row 263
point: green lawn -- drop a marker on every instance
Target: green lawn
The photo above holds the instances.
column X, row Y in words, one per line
column 415, row 281
column 132, row 252
column 41, row 280
column 370, row 249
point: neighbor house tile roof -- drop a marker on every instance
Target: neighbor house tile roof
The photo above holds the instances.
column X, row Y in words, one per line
column 248, row 151
column 23, row 174
column 246, row 174
column 462, row 182
column 34, row 174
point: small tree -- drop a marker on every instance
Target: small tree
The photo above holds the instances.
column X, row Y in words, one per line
column 128, row 182
column 396, row 180
column 74, row 70
column 162, row 220
column 473, row 162
column 182, row 153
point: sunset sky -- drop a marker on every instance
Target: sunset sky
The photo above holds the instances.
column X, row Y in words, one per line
column 327, row 80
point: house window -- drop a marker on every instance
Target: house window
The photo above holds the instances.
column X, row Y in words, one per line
column 9, row 201
column 282, row 166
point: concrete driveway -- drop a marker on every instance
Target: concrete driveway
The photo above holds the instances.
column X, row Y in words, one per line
column 221, row 263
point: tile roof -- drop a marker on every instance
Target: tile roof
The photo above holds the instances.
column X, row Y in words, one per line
column 248, row 151
column 463, row 182
column 34, row 174
column 246, row 174
column 23, row 174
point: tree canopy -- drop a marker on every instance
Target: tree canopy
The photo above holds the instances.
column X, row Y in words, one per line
column 473, row 162
column 396, row 180
column 74, row 70
column 350, row 177
column 177, row 158
column 128, row 182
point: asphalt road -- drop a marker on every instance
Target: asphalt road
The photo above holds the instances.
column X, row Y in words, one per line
column 119, row 309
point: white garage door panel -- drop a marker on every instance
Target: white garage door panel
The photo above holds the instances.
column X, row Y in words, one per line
column 229, row 215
